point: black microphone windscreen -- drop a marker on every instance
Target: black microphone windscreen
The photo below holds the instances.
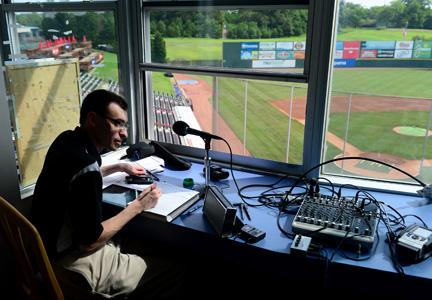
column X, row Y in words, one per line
column 180, row 128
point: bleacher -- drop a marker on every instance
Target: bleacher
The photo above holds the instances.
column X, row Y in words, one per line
column 90, row 83
column 165, row 115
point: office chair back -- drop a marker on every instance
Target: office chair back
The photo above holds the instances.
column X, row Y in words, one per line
column 35, row 276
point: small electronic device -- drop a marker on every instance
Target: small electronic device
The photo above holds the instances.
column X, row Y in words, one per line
column 119, row 195
column 139, row 179
column 414, row 244
column 300, row 245
column 220, row 213
column 251, row 234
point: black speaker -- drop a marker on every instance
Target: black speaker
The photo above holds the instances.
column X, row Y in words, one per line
column 217, row 173
column 139, row 150
column 220, row 213
column 171, row 160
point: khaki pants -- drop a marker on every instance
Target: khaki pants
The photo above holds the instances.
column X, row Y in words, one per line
column 108, row 271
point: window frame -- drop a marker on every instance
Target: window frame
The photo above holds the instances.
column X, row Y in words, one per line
column 316, row 69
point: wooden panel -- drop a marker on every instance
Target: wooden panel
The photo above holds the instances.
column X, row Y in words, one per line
column 46, row 98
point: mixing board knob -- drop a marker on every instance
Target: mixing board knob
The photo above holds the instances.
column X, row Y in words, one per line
column 366, row 231
column 356, row 229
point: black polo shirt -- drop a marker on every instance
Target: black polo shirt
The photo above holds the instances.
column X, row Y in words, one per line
column 67, row 199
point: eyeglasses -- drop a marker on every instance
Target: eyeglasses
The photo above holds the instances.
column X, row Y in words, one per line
column 120, row 124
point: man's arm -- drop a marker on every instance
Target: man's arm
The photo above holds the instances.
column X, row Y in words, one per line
column 146, row 200
column 130, row 168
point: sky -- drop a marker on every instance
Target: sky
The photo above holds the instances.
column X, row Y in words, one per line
column 370, row 3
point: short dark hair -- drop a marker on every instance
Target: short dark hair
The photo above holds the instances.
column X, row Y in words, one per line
column 97, row 101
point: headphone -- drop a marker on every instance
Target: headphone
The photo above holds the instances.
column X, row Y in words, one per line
column 217, row 173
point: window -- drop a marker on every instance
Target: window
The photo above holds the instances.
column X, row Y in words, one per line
column 55, row 55
column 240, row 72
column 381, row 101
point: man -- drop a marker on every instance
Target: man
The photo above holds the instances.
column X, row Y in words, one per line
column 68, row 197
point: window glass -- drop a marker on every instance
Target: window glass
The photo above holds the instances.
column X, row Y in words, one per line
column 89, row 37
column 265, row 40
column 57, row 59
column 258, row 118
column 381, row 101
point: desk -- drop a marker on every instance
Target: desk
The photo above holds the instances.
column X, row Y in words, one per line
column 271, row 256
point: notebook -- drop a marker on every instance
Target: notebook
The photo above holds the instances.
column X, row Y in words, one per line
column 174, row 200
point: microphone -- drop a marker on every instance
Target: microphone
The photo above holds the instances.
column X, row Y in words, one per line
column 182, row 128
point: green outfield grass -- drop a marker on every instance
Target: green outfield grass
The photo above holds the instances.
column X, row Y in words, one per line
column 413, row 83
column 373, row 132
column 358, row 34
column 109, row 70
column 161, row 83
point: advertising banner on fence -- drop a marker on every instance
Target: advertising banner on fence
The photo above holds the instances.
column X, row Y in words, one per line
column 368, row 53
column 266, row 55
column 267, row 45
column 284, row 54
column 284, row 45
column 422, row 49
column 407, row 45
column 299, row 45
column 338, row 54
column 248, row 55
column 299, row 54
column 339, row 45
column 385, row 53
column 344, row 63
column 351, row 45
column 250, row 46
column 351, row 53
column 403, row 53
column 384, row 45
column 273, row 63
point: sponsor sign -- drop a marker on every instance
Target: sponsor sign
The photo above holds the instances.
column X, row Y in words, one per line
column 385, row 53
column 368, row 53
column 338, row 54
column 424, row 45
column 284, row 45
column 347, row 54
column 299, row 45
column 266, row 55
column 249, row 46
column 407, row 45
column 351, row 45
column 383, row 45
column 422, row 49
column 245, row 55
column 273, row 63
column 284, row 54
column 344, row 63
column 339, row 45
column 248, row 55
column 403, row 53
column 267, row 45
column 299, row 54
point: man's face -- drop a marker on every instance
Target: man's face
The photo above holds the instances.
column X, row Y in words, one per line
column 115, row 130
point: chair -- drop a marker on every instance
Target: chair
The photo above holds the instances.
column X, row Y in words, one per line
column 35, row 275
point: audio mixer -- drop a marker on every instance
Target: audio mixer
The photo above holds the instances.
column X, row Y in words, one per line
column 338, row 218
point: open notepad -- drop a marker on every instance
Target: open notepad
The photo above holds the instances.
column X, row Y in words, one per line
column 172, row 203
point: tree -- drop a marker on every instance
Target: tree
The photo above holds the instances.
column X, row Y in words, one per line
column 158, row 49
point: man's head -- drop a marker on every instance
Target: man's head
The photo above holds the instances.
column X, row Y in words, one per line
column 104, row 116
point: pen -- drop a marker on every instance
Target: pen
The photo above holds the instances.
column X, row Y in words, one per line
column 194, row 209
column 152, row 175
column 246, row 211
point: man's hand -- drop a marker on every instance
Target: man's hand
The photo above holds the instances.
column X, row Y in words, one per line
column 132, row 169
column 149, row 197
